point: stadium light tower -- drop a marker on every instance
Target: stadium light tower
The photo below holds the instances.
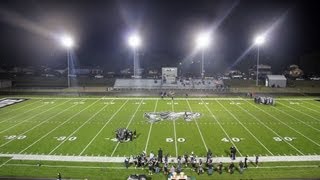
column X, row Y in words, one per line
column 258, row 41
column 68, row 43
column 202, row 42
column 134, row 42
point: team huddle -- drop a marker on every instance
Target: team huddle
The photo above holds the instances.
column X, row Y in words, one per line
column 264, row 100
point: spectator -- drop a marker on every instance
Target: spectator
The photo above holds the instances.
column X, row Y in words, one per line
column 246, row 162
column 165, row 168
column 126, row 162
column 220, row 167
column 231, row 168
column 241, row 167
column 59, row 176
column 160, row 155
column 210, row 167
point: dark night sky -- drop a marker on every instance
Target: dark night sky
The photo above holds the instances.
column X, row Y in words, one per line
column 168, row 28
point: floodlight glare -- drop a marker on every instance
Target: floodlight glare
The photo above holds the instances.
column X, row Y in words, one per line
column 67, row 41
column 259, row 40
column 203, row 40
column 134, row 41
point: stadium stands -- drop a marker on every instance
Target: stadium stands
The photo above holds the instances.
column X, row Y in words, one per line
column 158, row 84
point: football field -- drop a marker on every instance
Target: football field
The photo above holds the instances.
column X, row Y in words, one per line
column 85, row 127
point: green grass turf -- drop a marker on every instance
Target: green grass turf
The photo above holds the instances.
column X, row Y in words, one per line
column 90, row 124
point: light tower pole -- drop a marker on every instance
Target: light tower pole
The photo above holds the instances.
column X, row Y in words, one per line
column 202, row 42
column 68, row 43
column 134, row 42
column 258, row 41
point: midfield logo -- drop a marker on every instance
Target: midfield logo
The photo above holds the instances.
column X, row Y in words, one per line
column 160, row 116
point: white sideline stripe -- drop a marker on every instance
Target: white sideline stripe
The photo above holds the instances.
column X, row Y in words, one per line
column 147, row 143
column 301, row 112
column 39, row 123
column 31, row 117
column 58, row 126
column 221, row 127
column 174, row 130
column 102, row 128
column 22, row 113
column 25, row 105
column 124, row 168
column 286, row 124
column 79, row 128
column 245, row 128
column 269, row 128
column 204, row 143
column 134, row 114
column 296, row 118
column 177, row 98
column 172, row 159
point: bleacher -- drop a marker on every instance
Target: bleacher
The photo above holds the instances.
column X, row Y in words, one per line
column 188, row 84
column 137, row 84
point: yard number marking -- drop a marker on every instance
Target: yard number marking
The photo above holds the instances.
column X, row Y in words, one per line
column 179, row 140
column 234, row 139
column 235, row 103
column 279, row 139
column 62, row 138
column 15, row 137
column 78, row 102
column 294, row 103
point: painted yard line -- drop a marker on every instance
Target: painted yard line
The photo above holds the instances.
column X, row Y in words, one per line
column 195, row 120
column 296, row 118
column 221, row 127
column 78, row 128
column 102, row 128
column 302, row 112
column 245, row 128
column 102, row 159
column 286, row 125
column 134, row 114
column 174, row 130
column 310, row 109
column 269, row 128
column 21, row 106
column 22, row 113
column 311, row 104
column 147, row 143
column 143, row 169
column 59, row 126
column 39, row 124
column 31, row 117
column 5, row 162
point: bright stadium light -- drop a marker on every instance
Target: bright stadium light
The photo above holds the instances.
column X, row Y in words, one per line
column 259, row 40
column 203, row 40
column 134, row 41
column 67, row 41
